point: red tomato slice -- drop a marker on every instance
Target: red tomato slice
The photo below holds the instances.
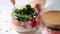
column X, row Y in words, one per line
column 15, row 21
column 33, row 23
column 25, row 24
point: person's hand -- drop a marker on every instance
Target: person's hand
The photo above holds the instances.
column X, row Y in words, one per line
column 38, row 5
column 13, row 2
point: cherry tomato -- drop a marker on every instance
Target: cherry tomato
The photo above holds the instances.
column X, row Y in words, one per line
column 15, row 21
column 24, row 25
column 33, row 23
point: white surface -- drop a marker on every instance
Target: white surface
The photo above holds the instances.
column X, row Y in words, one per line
column 5, row 14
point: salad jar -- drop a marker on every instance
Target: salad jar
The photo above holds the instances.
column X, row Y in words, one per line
column 26, row 17
column 51, row 22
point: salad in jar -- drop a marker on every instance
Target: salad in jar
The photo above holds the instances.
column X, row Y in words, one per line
column 25, row 19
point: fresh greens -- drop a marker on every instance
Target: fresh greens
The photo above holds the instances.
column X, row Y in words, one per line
column 27, row 13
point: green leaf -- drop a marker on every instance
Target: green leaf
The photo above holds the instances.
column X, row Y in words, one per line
column 14, row 15
column 28, row 6
column 24, row 14
column 16, row 10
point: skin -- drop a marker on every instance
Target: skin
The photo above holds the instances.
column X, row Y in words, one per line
column 13, row 2
column 38, row 5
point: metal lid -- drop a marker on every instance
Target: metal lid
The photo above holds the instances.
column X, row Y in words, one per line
column 51, row 17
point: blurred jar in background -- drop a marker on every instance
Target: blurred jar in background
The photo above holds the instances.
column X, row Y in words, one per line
column 26, row 16
column 51, row 22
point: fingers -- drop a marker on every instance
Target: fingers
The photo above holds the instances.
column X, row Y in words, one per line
column 37, row 8
column 40, row 1
column 13, row 2
column 37, row 5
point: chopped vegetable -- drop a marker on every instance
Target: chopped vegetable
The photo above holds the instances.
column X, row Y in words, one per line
column 27, row 13
column 33, row 23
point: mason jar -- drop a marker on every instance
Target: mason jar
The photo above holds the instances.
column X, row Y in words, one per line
column 51, row 22
column 26, row 15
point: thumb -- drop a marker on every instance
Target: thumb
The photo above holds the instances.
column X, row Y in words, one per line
column 13, row 2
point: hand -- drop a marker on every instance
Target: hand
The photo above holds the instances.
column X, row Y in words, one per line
column 13, row 2
column 38, row 5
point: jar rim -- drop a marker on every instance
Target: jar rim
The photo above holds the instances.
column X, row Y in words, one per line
column 51, row 27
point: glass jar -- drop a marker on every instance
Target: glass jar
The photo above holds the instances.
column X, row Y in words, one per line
column 51, row 29
column 51, row 22
column 26, row 18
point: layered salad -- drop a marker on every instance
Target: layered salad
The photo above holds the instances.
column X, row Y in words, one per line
column 25, row 19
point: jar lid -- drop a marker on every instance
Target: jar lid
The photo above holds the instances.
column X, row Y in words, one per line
column 51, row 17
